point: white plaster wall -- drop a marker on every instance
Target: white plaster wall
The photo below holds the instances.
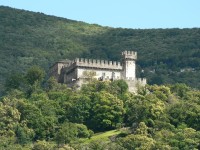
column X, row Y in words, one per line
column 130, row 69
column 99, row 73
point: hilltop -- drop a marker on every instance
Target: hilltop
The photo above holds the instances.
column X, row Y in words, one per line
column 29, row 38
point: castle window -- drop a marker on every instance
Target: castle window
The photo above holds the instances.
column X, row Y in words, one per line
column 113, row 75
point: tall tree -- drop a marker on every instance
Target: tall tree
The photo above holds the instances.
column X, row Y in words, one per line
column 107, row 111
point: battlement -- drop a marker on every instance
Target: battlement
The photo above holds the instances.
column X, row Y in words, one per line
column 94, row 63
column 142, row 81
column 129, row 55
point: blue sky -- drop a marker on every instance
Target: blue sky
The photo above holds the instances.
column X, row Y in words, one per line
column 119, row 13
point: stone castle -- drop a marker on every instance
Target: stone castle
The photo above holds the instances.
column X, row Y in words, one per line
column 74, row 73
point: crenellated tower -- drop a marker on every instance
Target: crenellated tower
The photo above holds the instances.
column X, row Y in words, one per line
column 128, row 64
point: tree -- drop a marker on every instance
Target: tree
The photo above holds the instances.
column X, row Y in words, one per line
column 180, row 89
column 14, row 81
column 118, row 87
column 34, row 118
column 145, row 108
column 83, row 131
column 67, row 132
column 49, row 111
column 142, row 129
column 185, row 112
column 9, row 117
column 186, row 138
column 43, row 145
column 161, row 92
column 107, row 111
column 139, row 140
column 79, row 110
column 34, row 74
column 53, row 85
column 24, row 134
column 8, row 143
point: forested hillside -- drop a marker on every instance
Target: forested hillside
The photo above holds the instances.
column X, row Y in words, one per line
column 28, row 38
column 46, row 115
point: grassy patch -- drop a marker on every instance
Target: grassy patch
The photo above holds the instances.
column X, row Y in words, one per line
column 104, row 136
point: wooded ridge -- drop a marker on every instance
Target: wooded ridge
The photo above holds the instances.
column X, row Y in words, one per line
column 29, row 38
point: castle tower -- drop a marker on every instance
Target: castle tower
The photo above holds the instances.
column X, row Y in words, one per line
column 129, row 66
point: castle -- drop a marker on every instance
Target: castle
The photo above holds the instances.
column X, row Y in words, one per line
column 74, row 73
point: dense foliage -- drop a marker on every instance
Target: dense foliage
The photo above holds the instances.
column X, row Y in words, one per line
column 27, row 38
column 47, row 115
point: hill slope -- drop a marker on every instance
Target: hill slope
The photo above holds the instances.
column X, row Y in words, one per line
column 28, row 38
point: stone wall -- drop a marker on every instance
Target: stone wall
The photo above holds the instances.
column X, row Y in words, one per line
column 56, row 70
column 133, row 85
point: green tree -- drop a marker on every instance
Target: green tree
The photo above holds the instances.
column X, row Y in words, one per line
column 50, row 111
column 8, row 143
column 24, row 134
column 53, row 85
column 142, row 129
column 79, row 110
column 67, row 132
column 34, row 74
column 14, row 81
column 186, row 138
column 143, row 108
column 9, row 117
column 119, row 86
column 185, row 112
column 107, row 111
column 43, row 145
column 180, row 89
column 138, row 141
column 34, row 118
column 83, row 131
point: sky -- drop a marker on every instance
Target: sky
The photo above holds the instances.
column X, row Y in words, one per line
column 136, row 14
